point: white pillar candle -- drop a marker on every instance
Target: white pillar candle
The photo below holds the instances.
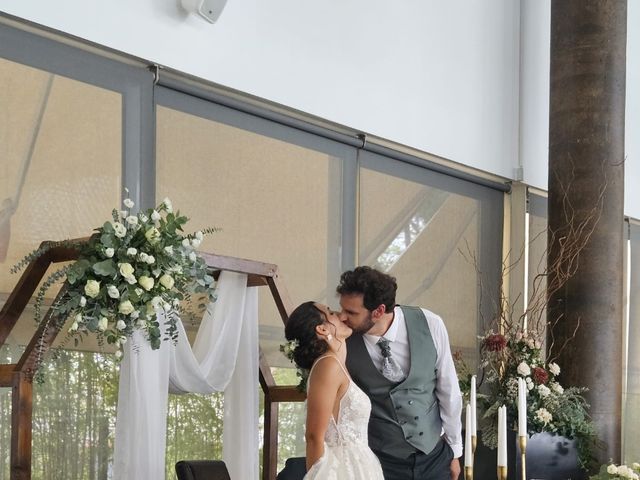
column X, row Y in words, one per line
column 522, row 408
column 474, row 413
column 468, row 448
column 502, row 436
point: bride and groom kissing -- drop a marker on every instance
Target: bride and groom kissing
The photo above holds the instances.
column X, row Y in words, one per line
column 383, row 400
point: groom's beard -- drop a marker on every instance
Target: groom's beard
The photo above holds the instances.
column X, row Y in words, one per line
column 366, row 325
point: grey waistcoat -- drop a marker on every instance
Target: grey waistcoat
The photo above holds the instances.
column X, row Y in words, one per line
column 405, row 416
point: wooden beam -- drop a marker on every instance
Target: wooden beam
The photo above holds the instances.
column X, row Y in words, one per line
column 280, row 296
column 270, row 448
column 21, row 411
column 286, row 393
column 6, row 374
column 239, row 265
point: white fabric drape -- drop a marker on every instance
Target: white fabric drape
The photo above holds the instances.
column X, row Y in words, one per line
column 224, row 358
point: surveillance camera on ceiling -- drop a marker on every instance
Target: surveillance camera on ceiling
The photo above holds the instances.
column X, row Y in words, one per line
column 210, row 10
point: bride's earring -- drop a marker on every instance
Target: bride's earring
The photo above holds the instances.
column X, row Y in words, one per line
column 329, row 337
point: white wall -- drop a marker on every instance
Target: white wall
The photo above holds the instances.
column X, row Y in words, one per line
column 443, row 77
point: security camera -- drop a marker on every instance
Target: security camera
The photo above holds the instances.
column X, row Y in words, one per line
column 210, row 10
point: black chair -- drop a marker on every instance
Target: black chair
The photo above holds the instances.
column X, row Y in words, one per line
column 202, row 470
column 294, row 469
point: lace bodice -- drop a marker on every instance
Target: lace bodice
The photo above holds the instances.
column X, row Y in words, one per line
column 351, row 426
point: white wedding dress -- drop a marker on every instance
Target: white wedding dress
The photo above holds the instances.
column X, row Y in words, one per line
column 347, row 455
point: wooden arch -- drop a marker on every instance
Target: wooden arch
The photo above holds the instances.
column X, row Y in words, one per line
column 19, row 376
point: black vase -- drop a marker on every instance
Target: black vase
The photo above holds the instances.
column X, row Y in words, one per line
column 549, row 457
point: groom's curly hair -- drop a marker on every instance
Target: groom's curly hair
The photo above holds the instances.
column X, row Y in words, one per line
column 377, row 288
column 301, row 326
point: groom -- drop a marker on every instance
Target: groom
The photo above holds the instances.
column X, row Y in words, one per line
column 400, row 356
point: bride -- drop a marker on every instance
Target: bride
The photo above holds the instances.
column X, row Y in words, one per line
column 337, row 410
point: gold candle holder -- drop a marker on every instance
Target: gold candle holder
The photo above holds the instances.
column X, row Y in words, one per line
column 502, row 473
column 523, row 455
column 474, row 444
column 468, row 473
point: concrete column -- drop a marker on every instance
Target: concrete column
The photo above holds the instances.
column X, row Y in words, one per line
column 586, row 176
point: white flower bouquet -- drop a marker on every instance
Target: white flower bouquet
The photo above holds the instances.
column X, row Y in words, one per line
column 617, row 472
column 133, row 267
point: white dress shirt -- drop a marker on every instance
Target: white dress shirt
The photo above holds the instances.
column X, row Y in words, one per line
column 447, row 388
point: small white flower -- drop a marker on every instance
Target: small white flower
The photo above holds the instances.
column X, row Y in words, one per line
column 112, row 291
column 122, row 340
column 176, row 269
column 612, row 469
column 543, row 415
column 73, row 327
column 556, row 387
column 156, row 272
column 635, row 466
column 123, row 213
column 167, row 281
column 132, row 220
column 141, row 323
column 155, row 216
column 132, row 251
column 543, row 390
column 150, row 259
column 128, row 203
column 166, row 306
column 135, row 314
column 131, row 280
column 185, row 242
column 119, row 229
column 156, row 302
column 199, row 235
column 554, row 368
column 192, row 256
column 92, row 288
column 524, row 370
column 126, row 307
column 109, row 252
column 83, row 301
column 103, row 323
column 120, row 325
column 143, row 218
column 167, row 204
column 169, row 250
column 195, row 243
column 143, row 257
column 118, row 354
column 126, row 269
column 146, row 282
column 176, row 303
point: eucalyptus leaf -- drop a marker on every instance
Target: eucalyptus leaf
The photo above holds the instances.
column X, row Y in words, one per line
column 105, row 268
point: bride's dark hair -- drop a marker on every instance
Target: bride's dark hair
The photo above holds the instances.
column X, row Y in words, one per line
column 301, row 326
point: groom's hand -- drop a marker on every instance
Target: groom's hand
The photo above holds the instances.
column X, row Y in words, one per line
column 455, row 469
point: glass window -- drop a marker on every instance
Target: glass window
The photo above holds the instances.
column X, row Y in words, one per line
column 631, row 419
column 424, row 228
column 537, row 265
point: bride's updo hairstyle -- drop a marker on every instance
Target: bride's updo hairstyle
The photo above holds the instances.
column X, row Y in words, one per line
column 302, row 327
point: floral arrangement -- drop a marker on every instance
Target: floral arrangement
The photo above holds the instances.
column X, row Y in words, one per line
column 287, row 349
column 550, row 408
column 133, row 267
column 615, row 472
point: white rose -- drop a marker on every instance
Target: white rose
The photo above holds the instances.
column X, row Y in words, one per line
column 103, row 323
column 132, row 220
column 192, row 256
column 185, row 242
column 543, row 415
column 199, row 235
column 118, row 354
column 543, row 390
column 131, row 280
column 156, row 302
column 167, row 204
column 612, row 470
column 109, row 252
column 524, row 370
column 143, row 257
column 126, row 307
column 155, row 216
column 119, row 229
column 152, row 235
column 167, row 281
column 556, row 387
column 83, row 301
column 92, row 288
column 635, row 466
column 146, row 282
column 624, row 471
column 120, row 325
column 169, row 250
column 126, row 269
column 195, row 243
column 132, row 251
column 128, row 203
column 166, row 306
column 123, row 213
column 73, row 327
column 176, row 303
column 112, row 291
column 135, row 314
column 554, row 368
column 150, row 259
